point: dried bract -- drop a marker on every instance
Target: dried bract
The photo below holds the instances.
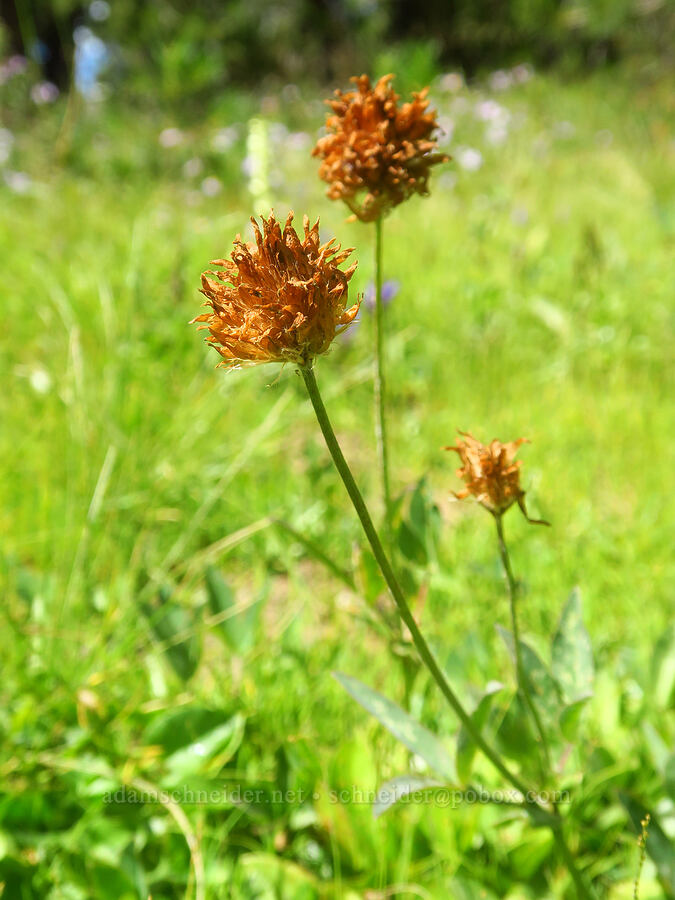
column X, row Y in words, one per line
column 283, row 299
column 376, row 153
column 491, row 474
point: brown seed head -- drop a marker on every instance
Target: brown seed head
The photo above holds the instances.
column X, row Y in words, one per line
column 376, row 153
column 283, row 299
column 491, row 475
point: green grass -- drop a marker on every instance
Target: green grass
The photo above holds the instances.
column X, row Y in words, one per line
column 536, row 299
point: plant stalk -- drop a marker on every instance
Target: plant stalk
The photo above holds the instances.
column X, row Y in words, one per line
column 380, row 385
column 523, row 680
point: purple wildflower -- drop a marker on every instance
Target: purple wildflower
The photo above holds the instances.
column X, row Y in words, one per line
column 390, row 289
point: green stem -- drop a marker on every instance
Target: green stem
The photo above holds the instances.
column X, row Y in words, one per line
column 380, row 383
column 523, row 680
column 396, row 592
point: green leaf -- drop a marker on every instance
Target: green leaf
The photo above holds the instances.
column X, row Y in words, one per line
column 466, row 747
column 410, row 545
column 401, row 724
column 659, row 750
column 531, row 852
column 543, row 688
column 399, row 788
column 211, row 751
column 237, row 626
column 173, row 625
column 515, row 736
column 570, row 718
column 370, row 582
column 175, row 728
column 659, row 846
column 604, row 776
column 418, row 530
column 572, row 653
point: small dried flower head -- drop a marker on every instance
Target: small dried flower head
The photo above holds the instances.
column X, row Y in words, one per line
column 283, row 299
column 491, row 474
column 376, row 153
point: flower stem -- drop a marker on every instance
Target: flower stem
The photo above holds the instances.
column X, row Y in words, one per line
column 380, row 384
column 523, row 680
column 385, row 567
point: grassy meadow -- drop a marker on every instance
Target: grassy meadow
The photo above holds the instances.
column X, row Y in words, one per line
column 142, row 491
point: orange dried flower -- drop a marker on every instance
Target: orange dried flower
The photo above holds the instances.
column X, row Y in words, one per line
column 377, row 153
column 491, row 475
column 283, row 299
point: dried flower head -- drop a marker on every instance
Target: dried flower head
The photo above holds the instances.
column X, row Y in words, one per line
column 491, row 475
column 376, row 153
column 283, row 299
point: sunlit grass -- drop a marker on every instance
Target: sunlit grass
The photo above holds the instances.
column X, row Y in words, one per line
column 536, row 299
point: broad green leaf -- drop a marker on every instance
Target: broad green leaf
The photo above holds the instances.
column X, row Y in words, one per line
column 401, row 724
column 570, row 718
column 466, row 747
column 659, row 846
column 543, row 688
column 572, row 653
column 399, row 788
column 211, row 751
column 175, row 628
column 238, row 626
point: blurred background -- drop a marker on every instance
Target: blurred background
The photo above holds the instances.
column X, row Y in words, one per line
column 176, row 49
column 179, row 568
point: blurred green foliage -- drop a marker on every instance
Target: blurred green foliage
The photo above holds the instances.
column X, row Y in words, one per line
column 172, row 48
